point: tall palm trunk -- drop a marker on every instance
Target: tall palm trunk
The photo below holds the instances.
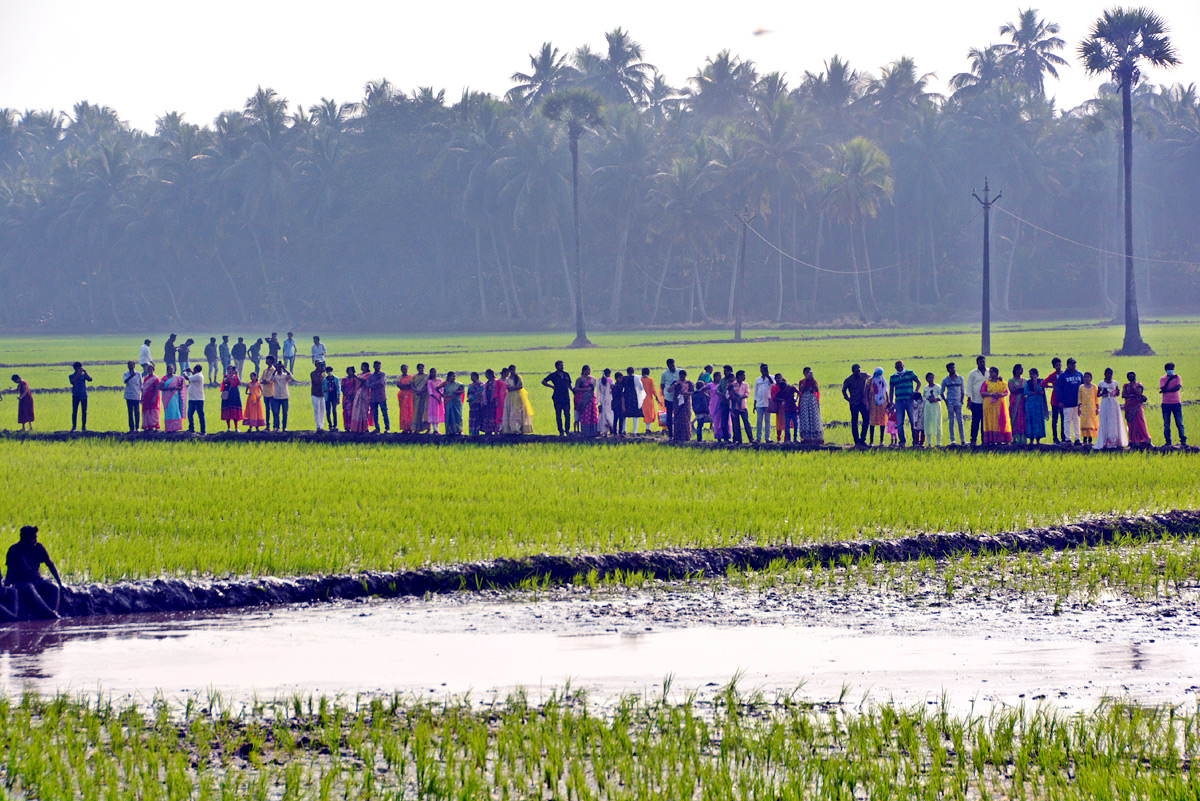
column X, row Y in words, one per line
column 581, row 340
column 867, row 261
column 862, row 312
column 614, row 303
column 1133, row 344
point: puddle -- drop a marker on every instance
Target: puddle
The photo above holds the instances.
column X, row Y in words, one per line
column 442, row 647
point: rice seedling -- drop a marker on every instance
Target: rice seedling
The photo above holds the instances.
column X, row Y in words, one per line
column 739, row 745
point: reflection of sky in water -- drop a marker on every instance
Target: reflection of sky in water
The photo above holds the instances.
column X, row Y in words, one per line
column 443, row 648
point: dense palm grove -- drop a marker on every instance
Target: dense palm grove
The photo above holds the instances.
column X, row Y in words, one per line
column 405, row 211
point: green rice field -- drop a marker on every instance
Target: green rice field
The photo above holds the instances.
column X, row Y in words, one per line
column 111, row 510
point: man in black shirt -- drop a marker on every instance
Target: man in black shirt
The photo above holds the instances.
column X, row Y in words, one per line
column 853, row 390
column 23, row 575
column 169, row 352
column 239, row 355
column 560, row 383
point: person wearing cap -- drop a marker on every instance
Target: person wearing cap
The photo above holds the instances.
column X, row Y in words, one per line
column 23, row 576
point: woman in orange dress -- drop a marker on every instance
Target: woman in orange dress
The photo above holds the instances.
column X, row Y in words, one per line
column 255, row 414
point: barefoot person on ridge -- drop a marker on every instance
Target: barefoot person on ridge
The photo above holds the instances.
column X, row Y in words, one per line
column 23, row 575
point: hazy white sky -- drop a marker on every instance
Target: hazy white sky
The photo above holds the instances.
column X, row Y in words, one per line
column 147, row 57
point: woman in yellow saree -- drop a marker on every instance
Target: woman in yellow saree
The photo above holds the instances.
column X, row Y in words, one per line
column 996, row 429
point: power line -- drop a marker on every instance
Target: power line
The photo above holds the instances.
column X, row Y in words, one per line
column 1086, row 246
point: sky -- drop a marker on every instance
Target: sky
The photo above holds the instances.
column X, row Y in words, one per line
column 146, row 58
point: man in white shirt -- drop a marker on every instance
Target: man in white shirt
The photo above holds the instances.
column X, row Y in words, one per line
column 133, row 397
column 195, row 396
column 318, row 352
column 762, row 402
column 975, row 381
column 281, row 379
column 144, row 357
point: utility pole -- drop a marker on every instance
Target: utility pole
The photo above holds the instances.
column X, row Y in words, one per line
column 986, row 345
column 746, row 217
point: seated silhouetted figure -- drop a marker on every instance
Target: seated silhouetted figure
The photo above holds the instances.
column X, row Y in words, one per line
column 31, row 595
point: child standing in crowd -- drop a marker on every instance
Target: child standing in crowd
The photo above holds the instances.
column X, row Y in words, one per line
column 891, row 425
column 1089, row 410
column 917, row 418
column 932, row 413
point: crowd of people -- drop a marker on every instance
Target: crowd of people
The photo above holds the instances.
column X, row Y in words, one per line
column 1014, row 411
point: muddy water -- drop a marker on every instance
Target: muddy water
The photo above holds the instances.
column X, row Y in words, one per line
column 613, row 646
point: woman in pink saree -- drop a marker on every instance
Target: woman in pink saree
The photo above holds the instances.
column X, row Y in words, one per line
column 172, row 388
column 151, row 393
column 501, row 398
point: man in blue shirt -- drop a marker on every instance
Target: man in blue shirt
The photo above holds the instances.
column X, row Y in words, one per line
column 901, row 387
column 289, row 352
column 953, row 391
column 1066, row 386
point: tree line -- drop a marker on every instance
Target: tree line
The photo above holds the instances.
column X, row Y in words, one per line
column 405, row 211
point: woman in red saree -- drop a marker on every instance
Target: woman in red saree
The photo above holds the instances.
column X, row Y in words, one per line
column 1134, row 395
column 404, row 400
column 24, row 403
column 501, row 399
column 151, row 393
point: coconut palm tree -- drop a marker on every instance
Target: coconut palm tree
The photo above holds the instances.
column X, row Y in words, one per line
column 548, row 70
column 722, row 88
column 1030, row 55
column 578, row 109
column 620, row 74
column 856, row 185
column 986, row 71
column 1117, row 45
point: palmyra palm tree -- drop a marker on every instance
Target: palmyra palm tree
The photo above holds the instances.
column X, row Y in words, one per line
column 1119, row 41
column 578, row 109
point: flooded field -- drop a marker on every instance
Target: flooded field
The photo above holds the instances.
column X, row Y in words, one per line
column 820, row 646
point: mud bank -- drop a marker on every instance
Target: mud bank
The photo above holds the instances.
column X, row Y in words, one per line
column 181, row 595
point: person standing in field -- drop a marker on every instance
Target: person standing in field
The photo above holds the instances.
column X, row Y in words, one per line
column 681, row 420
column 931, row 394
column 739, row 415
column 23, row 575
column 650, row 402
column 700, row 408
column 916, row 419
column 618, row 404
column 133, row 397
column 436, row 408
column 1169, row 387
column 239, row 356
column 273, row 345
column 289, row 352
column 282, row 380
column 25, row 414
column 420, row 389
column 226, row 356
column 169, row 352
column 144, row 357
column 559, row 383
column 523, row 395
column 1051, row 383
column 854, row 391
column 787, row 399
column 377, row 384
column 1016, row 404
column 1037, row 412
column 404, row 401
column 901, row 387
column 1112, row 425
column 585, row 402
column 486, row 424
column 1066, row 386
column 995, row 410
column 184, row 354
column 151, row 394
column 255, row 414
column 79, row 379
column 668, row 377
column 452, row 400
column 1089, row 410
column 195, row 398
column 876, row 393
column 633, row 399
column 501, row 398
column 317, row 392
column 514, row 409
column 333, row 394
column 1134, row 395
column 319, row 351
column 349, row 383
column 267, row 390
column 361, row 418
column 953, row 392
column 254, row 353
column 210, row 356
column 604, row 395
column 976, row 379
column 809, row 422
column 231, row 398
column 762, row 403
column 476, row 394
column 718, row 410
column 174, row 400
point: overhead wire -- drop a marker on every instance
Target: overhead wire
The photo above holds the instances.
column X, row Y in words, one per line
column 1086, row 246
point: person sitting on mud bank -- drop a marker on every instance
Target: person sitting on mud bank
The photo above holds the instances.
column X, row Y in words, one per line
column 23, row 577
